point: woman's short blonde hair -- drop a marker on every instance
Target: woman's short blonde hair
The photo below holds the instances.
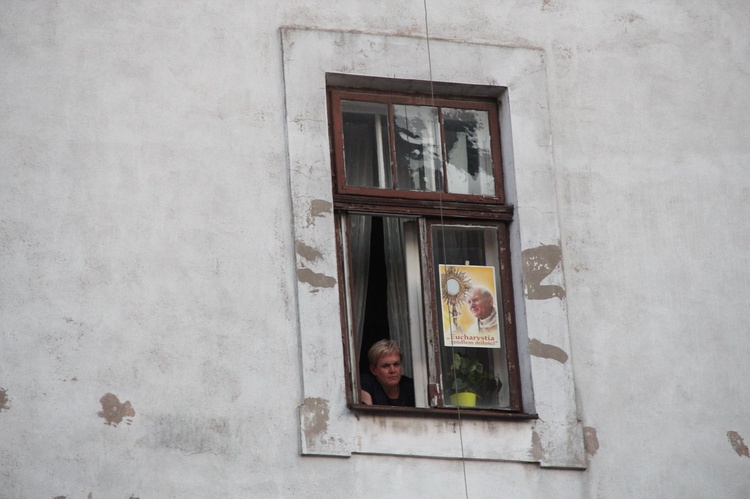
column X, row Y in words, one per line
column 382, row 347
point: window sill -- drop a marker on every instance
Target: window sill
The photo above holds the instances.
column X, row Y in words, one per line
column 446, row 412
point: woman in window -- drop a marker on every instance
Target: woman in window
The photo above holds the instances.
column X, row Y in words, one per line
column 385, row 384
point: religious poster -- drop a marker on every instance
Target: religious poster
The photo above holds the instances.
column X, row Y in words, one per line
column 469, row 306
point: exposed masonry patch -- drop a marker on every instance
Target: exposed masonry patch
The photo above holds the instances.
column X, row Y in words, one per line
column 113, row 411
column 590, row 440
column 537, row 451
column 315, row 417
column 738, row 444
column 315, row 279
column 307, row 252
column 538, row 263
column 4, row 400
column 545, row 351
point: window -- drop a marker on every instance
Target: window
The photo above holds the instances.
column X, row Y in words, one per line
column 315, row 62
column 423, row 238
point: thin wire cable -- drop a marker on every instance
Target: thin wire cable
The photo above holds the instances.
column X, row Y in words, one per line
column 435, row 134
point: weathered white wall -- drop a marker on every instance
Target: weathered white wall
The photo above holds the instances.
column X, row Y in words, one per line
column 147, row 250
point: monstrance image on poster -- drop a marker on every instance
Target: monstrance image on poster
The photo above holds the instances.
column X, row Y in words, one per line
column 468, row 304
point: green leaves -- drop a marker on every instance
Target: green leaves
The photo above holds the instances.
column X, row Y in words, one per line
column 467, row 374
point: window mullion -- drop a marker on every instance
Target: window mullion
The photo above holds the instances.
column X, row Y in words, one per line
column 392, row 148
column 441, row 123
column 382, row 181
column 432, row 330
column 416, row 312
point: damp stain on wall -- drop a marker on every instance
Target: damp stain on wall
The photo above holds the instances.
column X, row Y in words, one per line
column 4, row 400
column 738, row 444
column 190, row 434
column 590, row 440
column 113, row 412
column 538, row 264
column 537, row 451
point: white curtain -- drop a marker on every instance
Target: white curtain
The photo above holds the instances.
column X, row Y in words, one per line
column 398, row 306
column 359, row 251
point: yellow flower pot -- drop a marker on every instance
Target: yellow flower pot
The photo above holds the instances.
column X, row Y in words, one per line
column 464, row 399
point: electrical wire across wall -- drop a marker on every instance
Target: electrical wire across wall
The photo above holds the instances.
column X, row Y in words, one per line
column 436, row 129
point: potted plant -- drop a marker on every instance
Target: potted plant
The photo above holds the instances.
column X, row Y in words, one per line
column 468, row 381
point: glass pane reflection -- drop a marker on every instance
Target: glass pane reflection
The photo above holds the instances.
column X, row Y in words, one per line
column 366, row 144
column 467, row 145
column 419, row 161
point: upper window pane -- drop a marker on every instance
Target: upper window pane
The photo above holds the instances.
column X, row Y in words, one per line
column 419, row 161
column 469, row 157
column 366, row 144
column 413, row 147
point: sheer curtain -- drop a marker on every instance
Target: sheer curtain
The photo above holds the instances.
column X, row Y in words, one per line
column 398, row 306
column 359, row 245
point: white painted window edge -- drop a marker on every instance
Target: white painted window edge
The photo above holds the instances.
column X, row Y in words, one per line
column 327, row 426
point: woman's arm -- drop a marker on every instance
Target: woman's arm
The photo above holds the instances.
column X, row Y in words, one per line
column 366, row 397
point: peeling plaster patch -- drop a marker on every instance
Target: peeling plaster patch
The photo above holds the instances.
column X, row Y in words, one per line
column 320, row 207
column 307, row 252
column 538, row 263
column 315, row 417
column 537, row 451
column 113, row 411
column 738, row 444
column 4, row 400
column 60, row 497
column 590, row 440
column 314, row 279
column 545, row 351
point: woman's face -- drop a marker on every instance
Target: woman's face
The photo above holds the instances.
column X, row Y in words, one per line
column 388, row 370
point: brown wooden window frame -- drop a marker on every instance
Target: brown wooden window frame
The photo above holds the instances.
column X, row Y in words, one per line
column 430, row 208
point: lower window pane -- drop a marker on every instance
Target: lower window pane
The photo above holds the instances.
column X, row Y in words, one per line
column 384, row 290
column 472, row 350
